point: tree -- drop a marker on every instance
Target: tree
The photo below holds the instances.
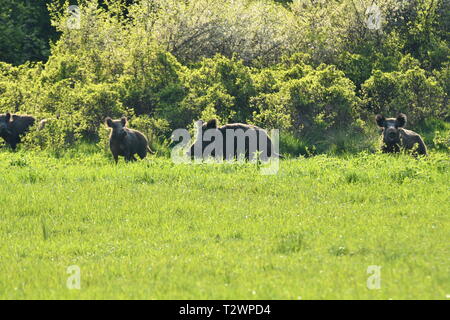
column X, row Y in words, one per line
column 25, row 31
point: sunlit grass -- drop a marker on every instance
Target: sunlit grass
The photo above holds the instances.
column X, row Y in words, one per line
column 156, row 230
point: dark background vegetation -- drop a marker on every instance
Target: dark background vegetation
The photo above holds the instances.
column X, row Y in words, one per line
column 311, row 68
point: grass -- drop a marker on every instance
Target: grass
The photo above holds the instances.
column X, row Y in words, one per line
column 155, row 230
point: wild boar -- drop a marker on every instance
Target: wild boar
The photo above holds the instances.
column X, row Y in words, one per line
column 231, row 141
column 13, row 127
column 126, row 142
column 395, row 137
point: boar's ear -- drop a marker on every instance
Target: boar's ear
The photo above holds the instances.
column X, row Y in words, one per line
column 109, row 122
column 124, row 121
column 401, row 120
column 212, row 124
column 380, row 120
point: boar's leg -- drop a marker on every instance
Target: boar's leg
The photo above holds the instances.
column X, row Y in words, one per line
column 142, row 154
column 391, row 148
column 422, row 149
column 129, row 157
column 116, row 157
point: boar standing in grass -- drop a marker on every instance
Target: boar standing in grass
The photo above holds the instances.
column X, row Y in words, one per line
column 13, row 127
column 395, row 137
column 238, row 141
column 126, row 142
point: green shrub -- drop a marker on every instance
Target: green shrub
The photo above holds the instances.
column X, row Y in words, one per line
column 309, row 68
column 320, row 101
column 356, row 67
column 411, row 91
column 317, row 105
column 441, row 140
column 156, row 130
column 57, row 135
column 271, row 112
column 221, row 85
column 292, row 146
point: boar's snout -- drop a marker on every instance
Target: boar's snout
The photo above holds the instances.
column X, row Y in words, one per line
column 118, row 127
column 391, row 135
column 119, row 133
column 390, row 126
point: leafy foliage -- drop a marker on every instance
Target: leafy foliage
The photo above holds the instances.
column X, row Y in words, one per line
column 314, row 69
column 411, row 92
column 25, row 31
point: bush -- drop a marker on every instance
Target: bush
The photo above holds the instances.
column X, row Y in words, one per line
column 156, row 130
column 272, row 111
column 192, row 30
column 321, row 100
column 152, row 82
column 80, row 108
column 293, row 146
column 441, row 140
column 310, row 68
column 317, row 105
column 356, row 67
column 411, row 92
column 57, row 135
column 219, row 86
column 443, row 78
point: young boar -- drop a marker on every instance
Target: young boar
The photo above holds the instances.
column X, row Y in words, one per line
column 231, row 141
column 126, row 142
column 396, row 137
column 13, row 127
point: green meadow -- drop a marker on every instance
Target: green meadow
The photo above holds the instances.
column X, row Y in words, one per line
column 156, row 230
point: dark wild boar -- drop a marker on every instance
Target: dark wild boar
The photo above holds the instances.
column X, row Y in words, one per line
column 395, row 137
column 232, row 141
column 126, row 142
column 13, row 127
